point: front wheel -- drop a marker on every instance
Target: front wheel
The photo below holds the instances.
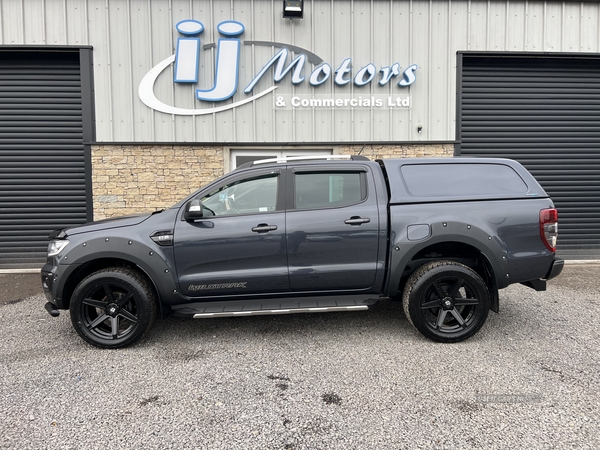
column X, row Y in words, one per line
column 446, row 301
column 113, row 307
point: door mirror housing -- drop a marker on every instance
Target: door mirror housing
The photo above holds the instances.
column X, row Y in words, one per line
column 193, row 210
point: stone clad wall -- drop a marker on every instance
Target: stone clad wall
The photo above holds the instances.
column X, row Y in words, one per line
column 135, row 179
column 374, row 152
column 131, row 180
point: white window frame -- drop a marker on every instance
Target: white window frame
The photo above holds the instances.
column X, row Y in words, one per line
column 268, row 153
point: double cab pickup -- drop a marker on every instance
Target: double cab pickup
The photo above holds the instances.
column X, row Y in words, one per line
column 302, row 235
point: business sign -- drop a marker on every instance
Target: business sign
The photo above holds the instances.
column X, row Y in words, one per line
column 186, row 61
column 341, row 101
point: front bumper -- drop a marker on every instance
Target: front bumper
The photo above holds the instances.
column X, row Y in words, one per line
column 52, row 275
column 47, row 282
column 48, row 279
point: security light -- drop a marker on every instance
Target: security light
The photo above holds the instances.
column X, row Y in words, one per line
column 293, row 9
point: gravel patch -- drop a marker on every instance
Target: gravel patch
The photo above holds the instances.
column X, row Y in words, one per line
column 362, row 380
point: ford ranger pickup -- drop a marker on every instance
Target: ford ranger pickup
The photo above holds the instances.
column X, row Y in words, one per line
column 314, row 235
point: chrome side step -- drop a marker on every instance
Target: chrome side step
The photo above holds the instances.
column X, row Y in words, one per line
column 268, row 312
column 270, row 306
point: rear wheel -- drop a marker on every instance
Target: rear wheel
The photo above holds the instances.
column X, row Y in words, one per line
column 113, row 307
column 446, row 301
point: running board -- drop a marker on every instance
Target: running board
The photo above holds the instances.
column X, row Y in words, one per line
column 261, row 307
column 269, row 312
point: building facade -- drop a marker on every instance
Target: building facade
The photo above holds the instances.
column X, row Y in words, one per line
column 113, row 107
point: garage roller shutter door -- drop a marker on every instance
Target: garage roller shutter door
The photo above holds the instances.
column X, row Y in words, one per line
column 545, row 113
column 42, row 167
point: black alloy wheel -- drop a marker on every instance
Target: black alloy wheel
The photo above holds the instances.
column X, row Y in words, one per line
column 446, row 301
column 113, row 308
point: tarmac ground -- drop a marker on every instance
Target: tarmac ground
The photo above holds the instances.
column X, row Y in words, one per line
column 19, row 286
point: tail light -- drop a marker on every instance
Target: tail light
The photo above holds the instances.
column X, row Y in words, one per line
column 549, row 228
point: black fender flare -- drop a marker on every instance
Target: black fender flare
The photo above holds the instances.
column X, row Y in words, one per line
column 490, row 247
column 152, row 261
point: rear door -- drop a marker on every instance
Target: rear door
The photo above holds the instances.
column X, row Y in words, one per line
column 332, row 228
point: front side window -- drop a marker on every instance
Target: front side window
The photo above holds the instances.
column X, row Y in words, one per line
column 252, row 196
column 328, row 189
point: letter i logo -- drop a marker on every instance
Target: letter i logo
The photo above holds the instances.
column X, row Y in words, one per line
column 187, row 56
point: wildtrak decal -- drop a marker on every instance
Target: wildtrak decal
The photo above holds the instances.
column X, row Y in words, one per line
column 201, row 287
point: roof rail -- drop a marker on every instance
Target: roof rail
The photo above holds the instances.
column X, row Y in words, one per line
column 308, row 158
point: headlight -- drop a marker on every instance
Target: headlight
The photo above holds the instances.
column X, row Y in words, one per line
column 56, row 246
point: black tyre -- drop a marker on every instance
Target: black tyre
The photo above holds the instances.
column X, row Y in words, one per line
column 113, row 307
column 446, row 301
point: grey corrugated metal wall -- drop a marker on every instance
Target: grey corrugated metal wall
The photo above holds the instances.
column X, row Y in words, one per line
column 132, row 36
column 543, row 111
column 42, row 163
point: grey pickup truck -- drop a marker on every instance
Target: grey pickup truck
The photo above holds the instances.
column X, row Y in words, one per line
column 301, row 235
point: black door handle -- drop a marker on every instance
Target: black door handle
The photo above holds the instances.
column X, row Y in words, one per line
column 264, row 228
column 356, row 220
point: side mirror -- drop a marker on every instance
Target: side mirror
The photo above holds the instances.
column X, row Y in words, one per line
column 193, row 210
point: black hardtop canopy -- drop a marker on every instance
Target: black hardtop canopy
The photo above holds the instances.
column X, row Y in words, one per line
column 420, row 180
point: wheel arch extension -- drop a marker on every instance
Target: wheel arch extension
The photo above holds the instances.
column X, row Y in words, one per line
column 87, row 256
column 462, row 252
column 89, row 267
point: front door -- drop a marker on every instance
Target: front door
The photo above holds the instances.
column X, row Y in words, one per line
column 238, row 247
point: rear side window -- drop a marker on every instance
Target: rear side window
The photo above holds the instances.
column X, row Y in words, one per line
column 457, row 180
column 328, row 189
